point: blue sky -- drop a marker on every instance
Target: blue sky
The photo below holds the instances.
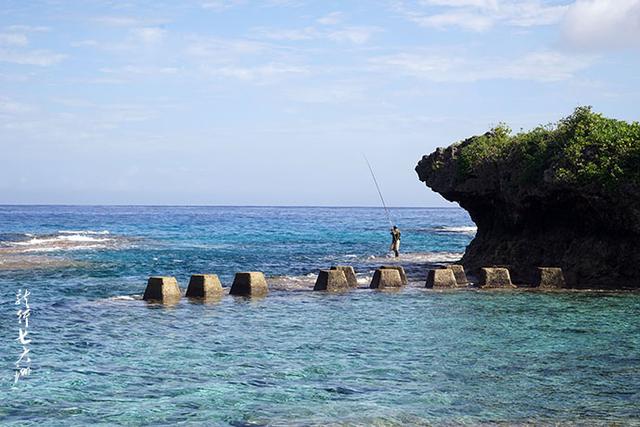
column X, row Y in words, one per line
column 273, row 102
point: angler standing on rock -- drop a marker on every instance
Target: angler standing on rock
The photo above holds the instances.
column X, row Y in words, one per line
column 395, row 241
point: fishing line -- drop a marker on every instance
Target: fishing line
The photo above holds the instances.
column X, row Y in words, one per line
column 373, row 175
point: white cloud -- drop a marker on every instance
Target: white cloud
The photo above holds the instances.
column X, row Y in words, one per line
column 480, row 15
column 220, row 49
column 13, row 39
column 146, row 70
column 118, row 21
column 463, row 19
column 259, row 74
column 332, row 18
column 241, row 59
column 42, row 58
column 541, row 66
column 220, row 5
column 354, row 35
column 28, row 28
column 10, row 107
column 603, row 24
column 149, row 35
column 328, row 94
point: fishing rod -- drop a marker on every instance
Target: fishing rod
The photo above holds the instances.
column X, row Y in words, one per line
column 373, row 175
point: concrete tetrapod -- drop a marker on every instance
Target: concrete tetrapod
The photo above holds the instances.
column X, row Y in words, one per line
column 331, row 281
column 386, row 278
column 403, row 275
column 441, row 278
column 203, row 286
column 250, row 283
column 161, row 288
column 458, row 272
column 349, row 273
column 550, row 278
column 495, row 277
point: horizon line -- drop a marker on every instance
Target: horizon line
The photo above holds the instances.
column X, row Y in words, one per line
column 222, row 206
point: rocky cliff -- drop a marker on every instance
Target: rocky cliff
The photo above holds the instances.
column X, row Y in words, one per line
column 565, row 195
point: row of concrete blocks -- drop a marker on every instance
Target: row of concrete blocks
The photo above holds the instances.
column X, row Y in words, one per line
column 164, row 288
column 492, row 277
column 340, row 278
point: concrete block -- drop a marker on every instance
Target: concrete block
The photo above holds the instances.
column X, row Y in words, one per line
column 332, row 281
column 349, row 273
column 204, row 285
column 458, row 272
column 249, row 284
column 550, row 278
column 161, row 288
column 403, row 275
column 441, row 278
column 495, row 278
column 386, row 278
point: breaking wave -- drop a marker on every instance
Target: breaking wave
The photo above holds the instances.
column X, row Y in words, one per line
column 63, row 240
column 417, row 258
column 462, row 229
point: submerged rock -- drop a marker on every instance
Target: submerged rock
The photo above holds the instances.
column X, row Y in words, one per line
column 566, row 195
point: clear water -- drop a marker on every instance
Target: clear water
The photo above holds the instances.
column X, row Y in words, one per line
column 102, row 356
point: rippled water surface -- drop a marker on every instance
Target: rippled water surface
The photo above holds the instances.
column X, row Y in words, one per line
column 102, row 356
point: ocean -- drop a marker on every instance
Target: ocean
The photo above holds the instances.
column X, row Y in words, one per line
column 100, row 355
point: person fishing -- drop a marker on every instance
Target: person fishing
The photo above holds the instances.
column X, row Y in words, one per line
column 395, row 241
column 395, row 231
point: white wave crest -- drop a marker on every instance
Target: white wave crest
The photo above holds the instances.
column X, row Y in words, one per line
column 83, row 232
column 416, row 258
column 465, row 230
column 66, row 240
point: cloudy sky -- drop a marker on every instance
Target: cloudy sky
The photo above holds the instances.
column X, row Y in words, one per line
column 273, row 102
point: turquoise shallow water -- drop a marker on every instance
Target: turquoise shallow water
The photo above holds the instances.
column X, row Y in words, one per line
column 101, row 356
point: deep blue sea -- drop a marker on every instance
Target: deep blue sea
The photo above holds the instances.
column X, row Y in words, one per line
column 102, row 356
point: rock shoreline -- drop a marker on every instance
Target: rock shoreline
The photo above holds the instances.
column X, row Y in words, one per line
column 537, row 204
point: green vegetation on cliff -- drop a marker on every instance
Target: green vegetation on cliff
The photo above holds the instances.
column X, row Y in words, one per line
column 585, row 148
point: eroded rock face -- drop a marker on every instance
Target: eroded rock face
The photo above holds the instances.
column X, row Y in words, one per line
column 591, row 233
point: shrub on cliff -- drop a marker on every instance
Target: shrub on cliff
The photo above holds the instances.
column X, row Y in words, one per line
column 585, row 148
